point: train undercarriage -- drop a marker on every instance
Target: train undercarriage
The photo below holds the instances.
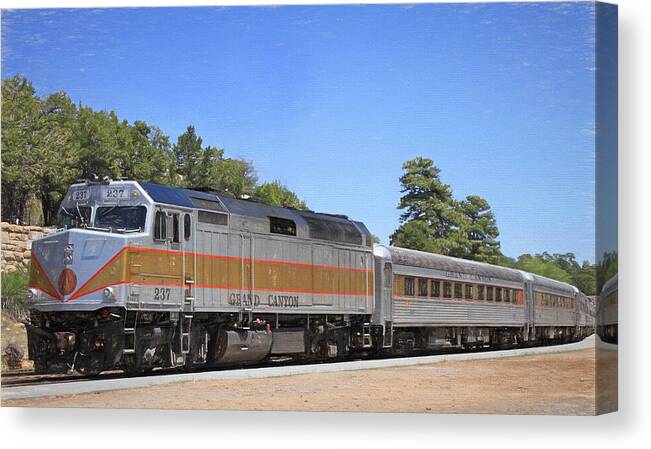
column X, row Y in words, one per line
column 113, row 338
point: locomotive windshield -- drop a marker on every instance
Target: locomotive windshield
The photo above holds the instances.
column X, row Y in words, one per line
column 121, row 218
column 74, row 217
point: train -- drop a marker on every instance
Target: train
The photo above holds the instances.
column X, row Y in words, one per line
column 142, row 276
column 607, row 305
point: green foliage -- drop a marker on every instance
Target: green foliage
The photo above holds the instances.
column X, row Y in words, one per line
column 279, row 195
column 479, row 228
column 14, row 299
column 187, row 153
column 606, row 269
column 539, row 265
column 36, row 147
column 49, row 143
column 14, row 284
column 562, row 267
column 434, row 221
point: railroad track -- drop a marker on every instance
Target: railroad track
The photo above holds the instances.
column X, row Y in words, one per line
column 28, row 377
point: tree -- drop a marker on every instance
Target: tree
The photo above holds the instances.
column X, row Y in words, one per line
column 275, row 193
column 187, row 154
column 236, row 177
column 425, row 197
column 538, row 264
column 607, row 267
column 416, row 234
column 480, row 229
column 36, row 147
column 433, row 221
column 140, row 155
column 60, row 115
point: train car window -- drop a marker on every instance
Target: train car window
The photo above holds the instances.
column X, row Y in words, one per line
column 489, row 293
column 410, row 287
column 447, row 290
column 498, row 294
column 175, row 229
column 458, row 290
column 160, row 226
column 507, row 295
column 187, row 230
column 468, row 291
column 282, row 226
column 422, row 287
column 436, row 289
column 213, row 218
column 480, row 292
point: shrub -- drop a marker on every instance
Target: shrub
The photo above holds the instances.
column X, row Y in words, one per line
column 14, row 297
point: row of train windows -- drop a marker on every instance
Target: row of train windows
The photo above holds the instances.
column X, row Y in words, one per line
column 433, row 288
column 549, row 300
column 610, row 300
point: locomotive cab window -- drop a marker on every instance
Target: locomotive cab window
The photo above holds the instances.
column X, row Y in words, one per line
column 74, row 217
column 410, row 287
column 282, row 226
column 422, row 287
column 160, row 225
column 175, row 229
column 187, row 222
column 121, row 218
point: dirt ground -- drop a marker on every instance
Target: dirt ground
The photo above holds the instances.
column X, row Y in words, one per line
column 559, row 384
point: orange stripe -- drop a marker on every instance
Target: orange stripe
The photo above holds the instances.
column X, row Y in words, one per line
column 247, row 259
column 54, row 293
column 76, row 294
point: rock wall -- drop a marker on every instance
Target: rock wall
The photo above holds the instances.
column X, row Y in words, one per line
column 17, row 245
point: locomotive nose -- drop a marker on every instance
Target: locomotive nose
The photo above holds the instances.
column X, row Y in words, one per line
column 64, row 262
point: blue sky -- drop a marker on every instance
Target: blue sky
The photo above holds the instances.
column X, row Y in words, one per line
column 331, row 100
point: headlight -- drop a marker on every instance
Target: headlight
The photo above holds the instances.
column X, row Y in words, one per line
column 68, row 250
column 32, row 293
column 109, row 293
